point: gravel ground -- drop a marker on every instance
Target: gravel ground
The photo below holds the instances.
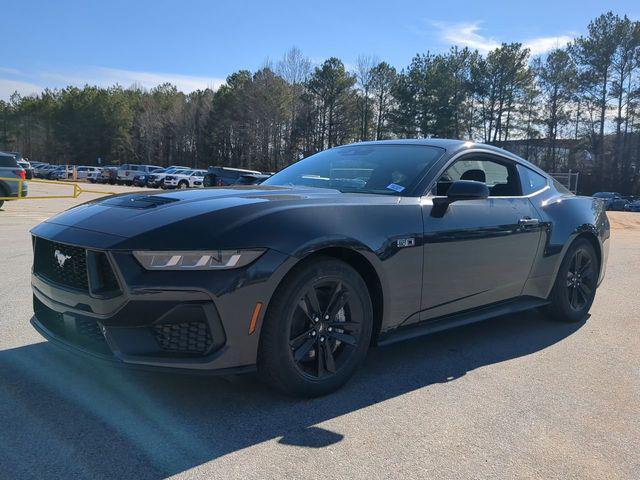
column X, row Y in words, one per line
column 515, row 397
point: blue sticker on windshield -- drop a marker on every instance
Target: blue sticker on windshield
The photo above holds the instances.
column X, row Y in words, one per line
column 395, row 186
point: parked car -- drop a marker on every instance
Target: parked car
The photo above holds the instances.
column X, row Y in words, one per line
column 63, row 172
column 299, row 276
column 156, row 179
column 127, row 171
column 163, row 180
column 108, row 175
column 82, row 172
column 41, row 171
column 26, row 166
column 223, row 176
column 184, row 179
column 93, row 174
column 141, row 179
column 633, row 206
column 9, row 168
column 252, row 178
column 612, row 200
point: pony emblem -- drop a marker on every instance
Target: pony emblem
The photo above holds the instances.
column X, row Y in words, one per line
column 61, row 257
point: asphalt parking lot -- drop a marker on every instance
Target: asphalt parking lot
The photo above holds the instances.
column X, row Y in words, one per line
column 516, row 397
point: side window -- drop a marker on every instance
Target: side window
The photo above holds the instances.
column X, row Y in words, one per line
column 530, row 180
column 125, row 166
column 500, row 176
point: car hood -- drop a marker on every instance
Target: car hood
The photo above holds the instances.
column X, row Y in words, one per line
column 193, row 219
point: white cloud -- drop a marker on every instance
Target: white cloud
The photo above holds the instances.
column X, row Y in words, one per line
column 27, row 83
column 13, row 71
column 541, row 45
column 9, row 86
column 468, row 34
column 126, row 78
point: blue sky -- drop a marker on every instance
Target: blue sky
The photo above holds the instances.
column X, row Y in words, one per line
column 195, row 44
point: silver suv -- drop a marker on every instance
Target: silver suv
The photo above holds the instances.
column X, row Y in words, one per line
column 10, row 169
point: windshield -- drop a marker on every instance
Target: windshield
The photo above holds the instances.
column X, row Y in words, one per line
column 380, row 169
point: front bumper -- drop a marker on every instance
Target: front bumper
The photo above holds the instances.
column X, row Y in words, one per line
column 196, row 322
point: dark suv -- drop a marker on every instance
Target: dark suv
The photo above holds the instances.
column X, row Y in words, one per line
column 612, row 200
column 222, row 176
column 9, row 168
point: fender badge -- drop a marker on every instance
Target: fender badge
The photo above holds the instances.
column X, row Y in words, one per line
column 406, row 242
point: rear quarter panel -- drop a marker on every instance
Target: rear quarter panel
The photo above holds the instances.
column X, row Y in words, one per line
column 565, row 217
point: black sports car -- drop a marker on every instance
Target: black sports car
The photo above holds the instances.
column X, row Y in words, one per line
column 358, row 245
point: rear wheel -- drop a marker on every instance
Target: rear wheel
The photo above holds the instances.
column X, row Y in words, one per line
column 575, row 287
column 317, row 329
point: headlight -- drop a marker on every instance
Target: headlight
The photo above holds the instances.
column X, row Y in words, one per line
column 198, row 260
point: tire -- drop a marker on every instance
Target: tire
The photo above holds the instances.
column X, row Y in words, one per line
column 304, row 349
column 182, row 184
column 575, row 286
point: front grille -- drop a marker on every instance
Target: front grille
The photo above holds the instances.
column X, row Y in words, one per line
column 61, row 263
column 187, row 338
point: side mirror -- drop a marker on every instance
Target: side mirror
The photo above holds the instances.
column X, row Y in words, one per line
column 458, row 191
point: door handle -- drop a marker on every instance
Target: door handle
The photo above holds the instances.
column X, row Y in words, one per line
column 529, row 222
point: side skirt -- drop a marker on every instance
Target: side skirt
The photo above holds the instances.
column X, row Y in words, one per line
column 460, row 319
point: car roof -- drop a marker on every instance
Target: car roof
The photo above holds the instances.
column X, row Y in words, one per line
column 452, row 147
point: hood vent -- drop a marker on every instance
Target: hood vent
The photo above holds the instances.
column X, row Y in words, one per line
column 138, row 201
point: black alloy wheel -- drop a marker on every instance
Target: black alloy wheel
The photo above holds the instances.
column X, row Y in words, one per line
column 325, row 328
column 317, row 329
column 581, row 281
column 575, row 286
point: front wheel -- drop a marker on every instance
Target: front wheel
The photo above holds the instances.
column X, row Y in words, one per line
column 317, row 329
column 575, row 287
column 183, row 184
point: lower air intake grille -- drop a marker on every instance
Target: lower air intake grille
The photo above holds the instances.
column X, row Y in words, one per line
column 188, row 338
column 90, row 330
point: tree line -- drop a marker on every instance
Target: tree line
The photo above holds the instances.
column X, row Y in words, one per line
column 577, row 107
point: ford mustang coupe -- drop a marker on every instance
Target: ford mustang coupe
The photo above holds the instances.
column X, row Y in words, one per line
column 358, row 245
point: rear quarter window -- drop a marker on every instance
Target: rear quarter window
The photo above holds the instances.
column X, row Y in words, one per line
column 7, row 161
column 531, row 181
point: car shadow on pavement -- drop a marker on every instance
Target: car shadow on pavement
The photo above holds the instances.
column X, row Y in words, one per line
column 62, row 415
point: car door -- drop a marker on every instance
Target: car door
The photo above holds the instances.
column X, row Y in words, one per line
column 480, row 251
